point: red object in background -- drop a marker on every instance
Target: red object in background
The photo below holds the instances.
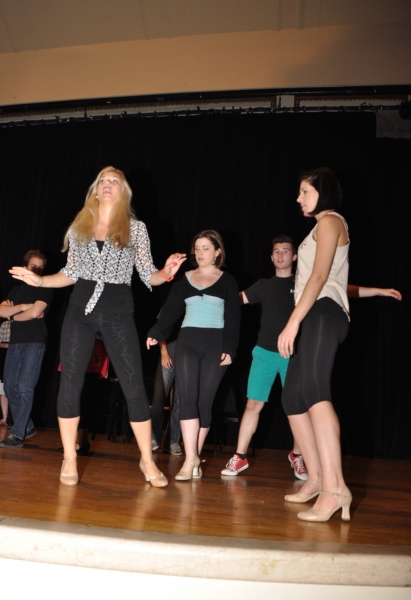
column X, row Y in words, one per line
column 99, row 361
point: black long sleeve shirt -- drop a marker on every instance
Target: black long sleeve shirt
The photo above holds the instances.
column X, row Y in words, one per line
column 225, row 288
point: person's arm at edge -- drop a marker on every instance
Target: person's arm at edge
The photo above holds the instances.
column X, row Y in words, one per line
column 232, row 319
column 243, row 298
column 165, row 358
column 7, row 310
column 358, row 291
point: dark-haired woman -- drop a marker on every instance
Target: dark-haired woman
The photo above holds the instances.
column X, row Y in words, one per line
column 321, row 315
column 105, row 242
column 207, row 341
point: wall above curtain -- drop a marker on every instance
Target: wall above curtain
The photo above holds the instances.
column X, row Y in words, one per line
column 52, row 50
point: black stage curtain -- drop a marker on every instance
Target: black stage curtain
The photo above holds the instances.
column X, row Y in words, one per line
column 237, row 174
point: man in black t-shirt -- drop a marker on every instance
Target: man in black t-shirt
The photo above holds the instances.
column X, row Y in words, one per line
column 277, row 303
column 25, row 352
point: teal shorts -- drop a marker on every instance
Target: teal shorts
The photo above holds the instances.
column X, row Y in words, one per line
column 265, row 367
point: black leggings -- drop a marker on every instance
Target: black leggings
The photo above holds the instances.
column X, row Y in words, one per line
column 119, row 334
column 198, row 372
column 308, row 379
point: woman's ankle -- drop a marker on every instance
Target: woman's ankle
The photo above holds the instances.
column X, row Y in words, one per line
column 191, row 456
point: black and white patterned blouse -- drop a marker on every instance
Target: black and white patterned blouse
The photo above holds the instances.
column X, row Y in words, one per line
column 111, row 265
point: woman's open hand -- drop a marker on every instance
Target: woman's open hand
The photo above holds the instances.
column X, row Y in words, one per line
column 173, row 263
column 151, row 342
column 26, row 275
column 391, row 293
column 286, row 340
column 225, row 360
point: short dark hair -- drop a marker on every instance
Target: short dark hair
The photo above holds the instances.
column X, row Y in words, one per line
column 283, row 239
column 34, row 254
column 217, row 241
column 328, row 187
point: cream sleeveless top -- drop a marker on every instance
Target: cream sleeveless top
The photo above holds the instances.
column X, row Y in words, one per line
column 336, row 284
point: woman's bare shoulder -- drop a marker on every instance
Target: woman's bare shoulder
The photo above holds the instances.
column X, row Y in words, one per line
column 331, row 220
column 332, row 226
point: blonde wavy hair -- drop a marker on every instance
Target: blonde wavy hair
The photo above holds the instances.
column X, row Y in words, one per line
column 84, row 224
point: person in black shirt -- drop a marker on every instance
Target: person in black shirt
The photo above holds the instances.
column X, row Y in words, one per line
column 6, row 310
column 277, row 303
column 25, row 352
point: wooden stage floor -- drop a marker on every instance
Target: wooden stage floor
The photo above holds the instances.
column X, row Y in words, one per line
column 112, row 494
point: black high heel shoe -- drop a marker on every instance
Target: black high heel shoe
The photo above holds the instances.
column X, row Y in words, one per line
column 81, row 451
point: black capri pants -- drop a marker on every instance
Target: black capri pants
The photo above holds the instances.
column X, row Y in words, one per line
column 308, row 378
column 198, row 372
column 119, row 334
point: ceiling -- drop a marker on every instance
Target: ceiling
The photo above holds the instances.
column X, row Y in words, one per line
column 27, row 25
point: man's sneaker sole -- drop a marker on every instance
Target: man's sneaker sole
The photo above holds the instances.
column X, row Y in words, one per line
column 18, row 445
column 174, row 453
column 233, row 473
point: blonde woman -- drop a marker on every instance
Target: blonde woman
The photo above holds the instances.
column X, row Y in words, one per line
column 104, row 242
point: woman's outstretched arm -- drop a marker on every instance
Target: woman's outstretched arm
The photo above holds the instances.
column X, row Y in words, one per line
column 358, row 291
column 58, row 280
column 173, row 263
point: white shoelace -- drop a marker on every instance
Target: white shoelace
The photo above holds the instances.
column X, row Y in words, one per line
column 232, row 463
column 299, row 464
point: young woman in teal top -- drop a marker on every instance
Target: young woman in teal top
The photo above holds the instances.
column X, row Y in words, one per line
column 207, row 341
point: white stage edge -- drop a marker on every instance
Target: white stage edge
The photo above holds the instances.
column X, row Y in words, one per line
column 50, row 580
column 207, row 558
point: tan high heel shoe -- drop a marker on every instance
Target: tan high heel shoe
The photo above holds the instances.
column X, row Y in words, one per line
column 68, row 478
column 301, row 496
column 344, row 500
column 155, row 480
column 190, row 470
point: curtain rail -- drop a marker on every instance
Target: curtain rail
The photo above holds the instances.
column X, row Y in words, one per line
column 56, row 119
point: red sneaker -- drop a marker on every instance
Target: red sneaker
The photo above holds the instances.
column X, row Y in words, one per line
column 297, row 463
column 235, row 465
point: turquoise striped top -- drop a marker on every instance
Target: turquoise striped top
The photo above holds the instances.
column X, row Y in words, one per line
column 203, row 311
